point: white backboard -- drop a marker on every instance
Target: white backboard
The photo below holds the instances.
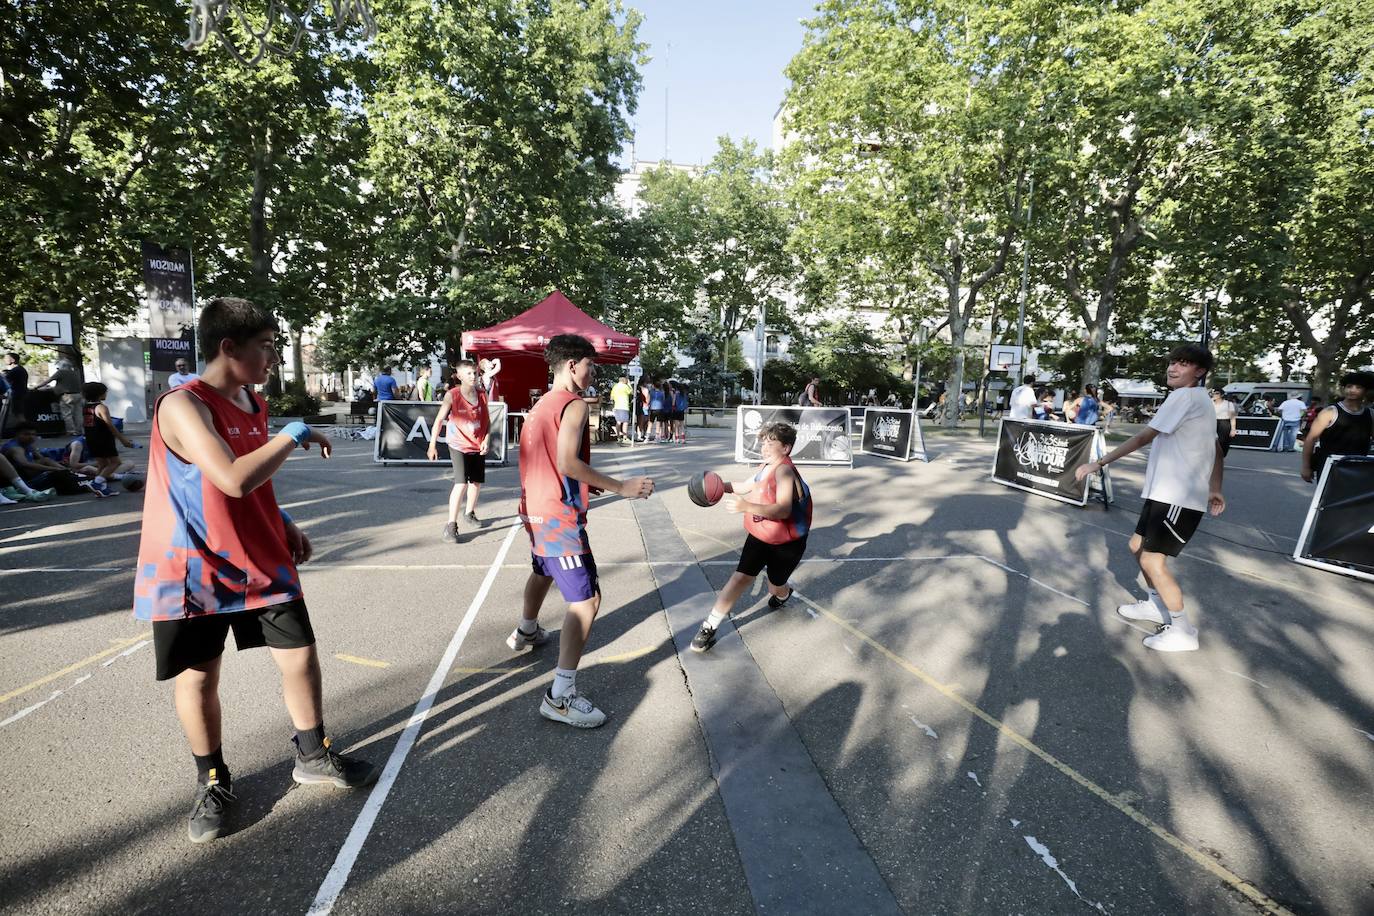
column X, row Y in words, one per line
column 50, row 329
column 1004, row 357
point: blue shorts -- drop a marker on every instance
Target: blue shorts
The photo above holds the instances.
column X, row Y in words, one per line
column 622, row 416
column 574, row 575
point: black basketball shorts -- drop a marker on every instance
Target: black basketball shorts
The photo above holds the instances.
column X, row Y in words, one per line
column 191, row 641
column 1164, row 528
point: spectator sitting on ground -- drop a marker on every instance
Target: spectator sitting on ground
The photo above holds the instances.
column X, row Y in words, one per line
column 13, row 487
column 38, row 472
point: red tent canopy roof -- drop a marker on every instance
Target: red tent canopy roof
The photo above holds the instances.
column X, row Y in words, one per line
column 530, row 331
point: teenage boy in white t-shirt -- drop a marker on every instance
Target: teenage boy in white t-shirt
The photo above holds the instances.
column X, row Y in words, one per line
column 1182, row 480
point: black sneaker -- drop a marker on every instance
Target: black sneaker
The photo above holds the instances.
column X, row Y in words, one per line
column 331, row 768
column 471, row 519
column 775, row 602
column 451, row 533
column 207, row 811
column 705, row 639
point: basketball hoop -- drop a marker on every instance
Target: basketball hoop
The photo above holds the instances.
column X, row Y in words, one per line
column 208, row 17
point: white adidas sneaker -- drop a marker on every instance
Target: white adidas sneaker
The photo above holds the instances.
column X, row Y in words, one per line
column 1172, row 638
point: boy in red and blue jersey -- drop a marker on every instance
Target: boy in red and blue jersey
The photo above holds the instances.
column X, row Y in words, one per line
column 777, row 521
column 556, row 482
column 217, row 554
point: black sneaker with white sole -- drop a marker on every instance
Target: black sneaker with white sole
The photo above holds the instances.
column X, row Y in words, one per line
column 705, row 638
column 472, row 519
column 451, row 533
column 213, row 798
column 331, row 768
column 775, row 602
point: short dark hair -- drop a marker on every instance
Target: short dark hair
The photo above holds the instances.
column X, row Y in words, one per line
column 235, row 319
column 462, row 363
column 1028, row 379
column 563, row 347
column 783, row 432
column 12, row 355
column 94, row 391
column 1364, row 379
column 1193, row 354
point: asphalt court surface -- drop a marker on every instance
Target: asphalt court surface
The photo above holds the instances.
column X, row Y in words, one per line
column 995, row 738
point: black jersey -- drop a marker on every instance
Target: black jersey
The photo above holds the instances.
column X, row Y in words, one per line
column 1348, row 434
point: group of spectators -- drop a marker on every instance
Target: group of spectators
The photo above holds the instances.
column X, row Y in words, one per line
column 660, row 411
column 1085, row 408
column 384, row 386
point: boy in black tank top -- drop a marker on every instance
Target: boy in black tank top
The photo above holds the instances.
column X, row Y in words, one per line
column 1344, row 428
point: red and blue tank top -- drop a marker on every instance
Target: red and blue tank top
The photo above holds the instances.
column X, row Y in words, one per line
column 203, row 551
column 780, row 530
column 553, row 506
column 468, row 423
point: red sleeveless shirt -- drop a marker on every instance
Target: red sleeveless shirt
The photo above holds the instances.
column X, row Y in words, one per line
column 468, row 423
column 797, row 524
column 552, row 505
column 203, row 551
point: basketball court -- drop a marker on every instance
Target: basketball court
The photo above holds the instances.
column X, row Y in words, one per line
column 950, row 720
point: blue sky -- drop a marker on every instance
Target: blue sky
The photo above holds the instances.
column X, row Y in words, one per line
column 722, row 63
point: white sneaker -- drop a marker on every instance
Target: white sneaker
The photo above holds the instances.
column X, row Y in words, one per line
column 571, row 709
column 6, row 501
column 1173, row 639
column 518, row 639
column 1142, row 610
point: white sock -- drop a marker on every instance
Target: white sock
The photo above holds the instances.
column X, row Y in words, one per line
column 1179, row 619
column 99, row 478
column 715, row 620
column 529, row 627
column 1158, row 602
column 22, row 486
column 564, row 682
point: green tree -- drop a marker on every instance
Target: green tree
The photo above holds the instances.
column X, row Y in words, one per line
column 723, row 239
column 911, row 155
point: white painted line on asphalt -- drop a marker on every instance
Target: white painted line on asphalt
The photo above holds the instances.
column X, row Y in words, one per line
column 28, row 709
column 127, row 652
column 334, row 882
column 1246, row 677
column 1043, row 851
column 1031, row 578
column 1365, row 733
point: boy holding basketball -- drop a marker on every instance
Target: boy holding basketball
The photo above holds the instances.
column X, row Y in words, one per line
column 218, row 554
column 777, row 519
column 556, row 482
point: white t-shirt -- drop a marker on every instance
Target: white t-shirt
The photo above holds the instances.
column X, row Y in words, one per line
column 1292, row 410
column 177, row 378
column 1022, row 402
column 1180, row 469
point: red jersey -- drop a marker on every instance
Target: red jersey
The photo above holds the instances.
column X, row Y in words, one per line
column 552, row 505
column 203, row 551
column 468, row 423
column 780, row 530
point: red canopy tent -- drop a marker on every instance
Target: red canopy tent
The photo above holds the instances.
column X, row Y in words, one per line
column 520, row 341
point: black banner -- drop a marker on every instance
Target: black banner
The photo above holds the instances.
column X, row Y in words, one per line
column 1041, row 457
column 403, row 432
column 892, row 433
column 167, row 291
column 1255, row 432
column 822, row 433
column 1339, row 532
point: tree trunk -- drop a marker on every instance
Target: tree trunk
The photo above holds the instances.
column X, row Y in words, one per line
column 954, row 384
column 297, row 358
column 259, row 237
column 1097, row 349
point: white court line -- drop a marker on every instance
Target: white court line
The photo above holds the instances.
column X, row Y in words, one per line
column 334, row 882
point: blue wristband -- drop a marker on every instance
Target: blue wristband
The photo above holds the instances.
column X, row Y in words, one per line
column 286, row 516
column 297, row 430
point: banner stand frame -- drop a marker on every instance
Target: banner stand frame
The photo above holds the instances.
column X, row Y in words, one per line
column 1312, row 511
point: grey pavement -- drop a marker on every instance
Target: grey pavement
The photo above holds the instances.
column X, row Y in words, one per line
column 977, row 732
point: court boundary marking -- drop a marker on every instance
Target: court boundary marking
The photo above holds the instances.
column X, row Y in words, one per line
column 1230, row 878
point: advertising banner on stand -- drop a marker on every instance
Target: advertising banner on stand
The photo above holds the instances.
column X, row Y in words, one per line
column 1041, row 457
column 167, row 291
column 822, row 433
column 1338, row 534
column 892, row 433
column 403, row 433
column 1255, row 432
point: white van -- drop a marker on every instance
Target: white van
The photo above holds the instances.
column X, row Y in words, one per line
column 1249, row 395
